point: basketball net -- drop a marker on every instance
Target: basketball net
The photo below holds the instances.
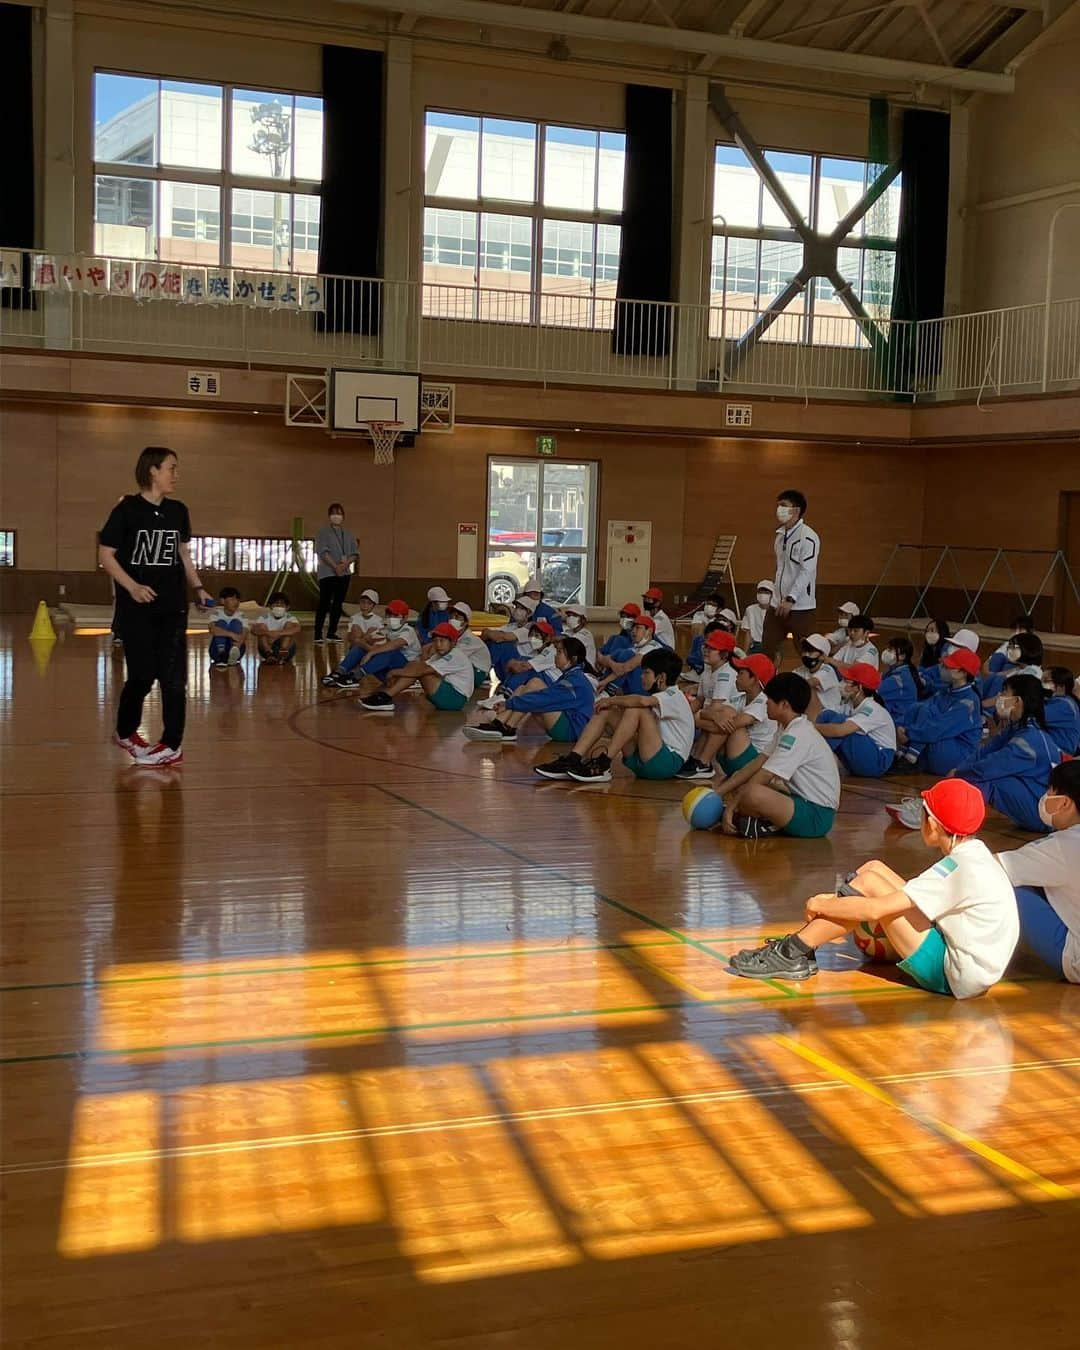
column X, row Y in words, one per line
column 384, row 436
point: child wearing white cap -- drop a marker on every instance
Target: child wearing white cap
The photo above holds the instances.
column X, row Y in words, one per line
column 839, row 635
column 436, row 611
column 511, row 642
column 858, row 649
column 541, row 609
column 819, row 675
column 470, row 643
column 753, row 619
column 365, row 625
column 575, row 624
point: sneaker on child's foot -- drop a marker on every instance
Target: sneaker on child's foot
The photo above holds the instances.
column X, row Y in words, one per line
column 595, row 770
column 161, row 757
column 908, row 813
column 133, row 744
column 754, row 827
column 381, row 703
column 906, row 759
column 696, row 768
column 218, row 665
column 484, row 731
column 778, row 959
column 234, row 656
column 558, row 768
column 328, row 681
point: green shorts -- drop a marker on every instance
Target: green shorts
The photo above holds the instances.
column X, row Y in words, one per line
column 731, row 766
column 480, row 677
column 810, row 820
column 926, row 965
column 560, row 730
column 448, row 699
column 664, row 764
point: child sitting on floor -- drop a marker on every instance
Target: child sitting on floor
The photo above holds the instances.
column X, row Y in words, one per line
column 227, row 630
column 1062, row 708
column 714, row 703
column 796, row 790
column 742, row 731
column 398, row 644
column 954, row 927
column 858, row 649
column 472, row 644
column 365, row 625
column 540, row 660
column 753, row 619
column 901, row 686
column 446, row 676
column 653, row 731
column 575, row 621
column 277, row 632
column 819, row 674
column 862, row 734
column 943, row 729
column 624, row 675
column 839, row 636
column 561, row 700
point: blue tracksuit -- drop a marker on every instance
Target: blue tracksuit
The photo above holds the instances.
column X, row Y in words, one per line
column 1012, row 771
column 572, row 694
column 933, row 678
column 1063, row 722
column 860, row 753
column 695, row 659
column 544, row 611
column 994, row 684
column 997, row 663
column 427, row 619
column 944, row 729
column 618, row 646
column 899, row 693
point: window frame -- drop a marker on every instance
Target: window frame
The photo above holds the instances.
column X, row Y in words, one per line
column 537, row 214
column 864, row 243
column 232, row 554
column 224, row 179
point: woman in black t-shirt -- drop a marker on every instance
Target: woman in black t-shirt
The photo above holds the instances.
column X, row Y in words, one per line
column 144, row 549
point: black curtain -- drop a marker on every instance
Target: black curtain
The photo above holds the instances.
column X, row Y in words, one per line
column 645, row 257
column 350, row 227
column 919, row 284
column 17, row 119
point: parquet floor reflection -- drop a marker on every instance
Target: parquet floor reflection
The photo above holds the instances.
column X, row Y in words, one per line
column 352, row 1033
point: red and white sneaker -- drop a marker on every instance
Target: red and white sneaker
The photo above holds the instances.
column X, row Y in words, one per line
column 161, row 757
column 133, row 744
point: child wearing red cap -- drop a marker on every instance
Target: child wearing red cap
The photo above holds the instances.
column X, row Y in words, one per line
column 653, row 604
column 398, row 644
column 446, row 676
column 954, row 927
column 541, row 658
column 739, row 729
column 862, row 734
column 942, row 730
column 624, row 674
column 714, row 702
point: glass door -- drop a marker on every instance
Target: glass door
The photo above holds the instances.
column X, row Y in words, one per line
column 541, row 522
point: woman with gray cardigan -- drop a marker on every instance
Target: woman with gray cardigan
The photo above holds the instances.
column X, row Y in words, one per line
column 336, row 550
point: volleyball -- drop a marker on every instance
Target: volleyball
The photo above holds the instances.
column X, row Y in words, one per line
column 870, row 938
column 702, row 808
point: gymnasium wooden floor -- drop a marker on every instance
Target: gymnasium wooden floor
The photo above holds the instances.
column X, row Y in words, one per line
column 351, row 1033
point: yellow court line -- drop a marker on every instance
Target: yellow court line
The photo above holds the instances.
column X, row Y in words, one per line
column 995, row 1157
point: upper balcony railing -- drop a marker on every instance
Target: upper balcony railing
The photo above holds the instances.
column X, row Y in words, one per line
column 263, row 318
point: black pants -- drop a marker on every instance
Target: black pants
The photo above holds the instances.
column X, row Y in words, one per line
column 155, row 648
column 332, row 593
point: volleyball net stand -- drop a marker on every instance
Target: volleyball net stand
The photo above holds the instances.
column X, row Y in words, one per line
column 972, row 574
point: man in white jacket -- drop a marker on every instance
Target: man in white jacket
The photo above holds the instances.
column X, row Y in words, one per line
column 794, row 602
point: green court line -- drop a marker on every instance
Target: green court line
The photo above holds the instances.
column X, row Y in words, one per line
column 332, row 965
column 407, row 1028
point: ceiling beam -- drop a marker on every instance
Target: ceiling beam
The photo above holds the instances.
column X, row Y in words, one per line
column 491, row 13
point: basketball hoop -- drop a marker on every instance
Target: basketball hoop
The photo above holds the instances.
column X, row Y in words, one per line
column 384, row 436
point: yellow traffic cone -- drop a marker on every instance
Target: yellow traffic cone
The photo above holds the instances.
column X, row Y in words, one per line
column 42, row 649
column 42, row 631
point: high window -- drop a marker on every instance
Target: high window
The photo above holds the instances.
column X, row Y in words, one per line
column 518, row 208
column 206, row 173
column 757, row 251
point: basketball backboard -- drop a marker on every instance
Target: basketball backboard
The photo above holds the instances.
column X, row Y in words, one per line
column 359, row 397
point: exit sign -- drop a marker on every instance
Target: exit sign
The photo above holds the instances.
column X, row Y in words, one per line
column 546, row 445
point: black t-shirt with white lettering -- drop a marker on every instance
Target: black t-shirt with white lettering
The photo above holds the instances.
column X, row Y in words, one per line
column 147, row 541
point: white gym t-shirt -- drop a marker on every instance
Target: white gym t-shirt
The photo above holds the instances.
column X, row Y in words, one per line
column 1053, row 864
column 829, row 692
column 802, row 758
column 676, row 719
column 456, row 669
column 849, row 654
column 874, row 721
column 969, row 898
column 762, row 731
column 718, row 686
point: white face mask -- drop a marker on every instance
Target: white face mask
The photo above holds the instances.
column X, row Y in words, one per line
column 932, row 636
column 536, row 641
column 626, row 623
column 394, row 621
column 278, row 611
column 573, row 623
column 784, row 514
column 709, row 611
column 644, row 640
column 888, row 658
column 763, row 598
column 1045, row 813
column 336, row 518
column 843, row 621
column 848, row 694
column 459, row 623
column 1013, row 652
column 1003, row 706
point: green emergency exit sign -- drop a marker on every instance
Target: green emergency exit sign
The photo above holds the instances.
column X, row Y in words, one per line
column 546, row 445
